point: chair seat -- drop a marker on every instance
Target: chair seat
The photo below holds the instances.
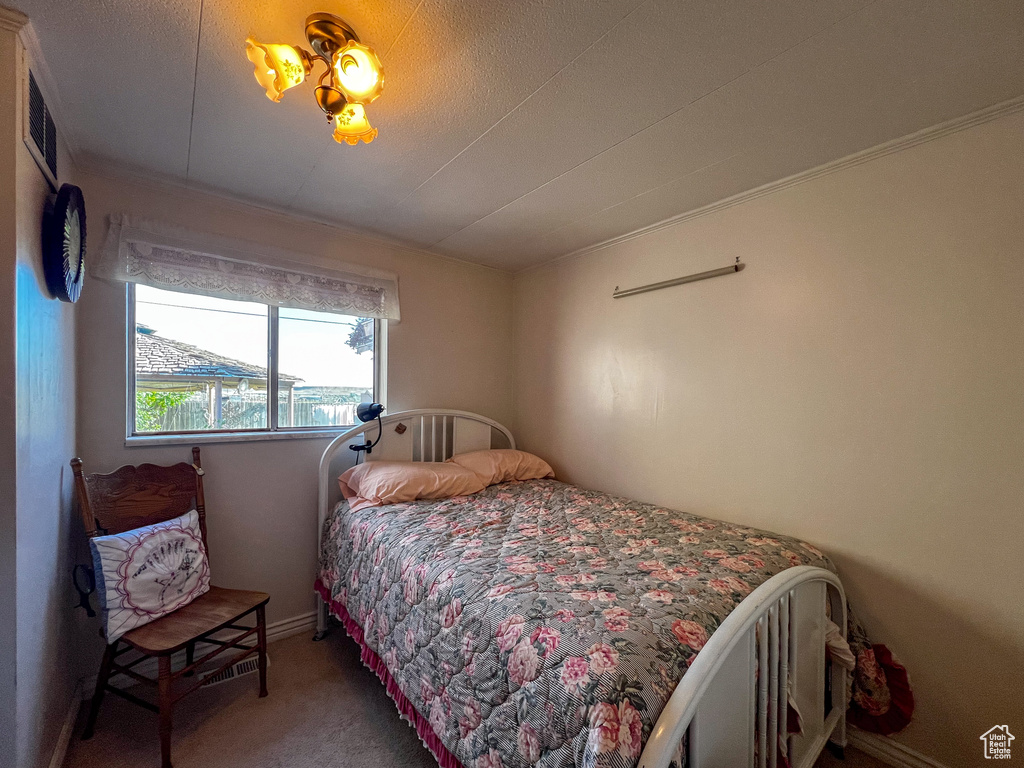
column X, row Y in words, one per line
column 203, row 615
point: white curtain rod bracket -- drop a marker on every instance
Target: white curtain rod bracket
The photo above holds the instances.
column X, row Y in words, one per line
column 617, row 294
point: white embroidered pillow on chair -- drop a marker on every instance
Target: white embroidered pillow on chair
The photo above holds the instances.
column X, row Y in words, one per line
column 146, row 573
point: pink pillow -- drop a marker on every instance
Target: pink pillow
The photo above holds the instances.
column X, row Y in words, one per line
column 392, row 482
column 504, row 464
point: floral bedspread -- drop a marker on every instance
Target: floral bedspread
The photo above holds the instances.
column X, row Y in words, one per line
column 538, row 623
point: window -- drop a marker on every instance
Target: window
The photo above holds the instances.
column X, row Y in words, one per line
column 200, row 364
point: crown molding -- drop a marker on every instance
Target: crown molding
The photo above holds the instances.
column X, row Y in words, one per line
column 988, row 114
column 12, row 20
column 115, row 171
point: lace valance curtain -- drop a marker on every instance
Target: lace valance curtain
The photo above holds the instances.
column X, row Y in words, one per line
column 176, row 260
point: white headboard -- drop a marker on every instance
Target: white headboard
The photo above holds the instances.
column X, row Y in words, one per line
column 427, row 435
column 420, row 435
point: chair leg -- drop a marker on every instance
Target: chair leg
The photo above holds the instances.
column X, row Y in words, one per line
column 101, row 688
column 261, row 634
column 166, row 708
column 190, row 655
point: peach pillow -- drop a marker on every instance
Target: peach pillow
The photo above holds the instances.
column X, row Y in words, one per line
column 504, row 464
column 375, row 483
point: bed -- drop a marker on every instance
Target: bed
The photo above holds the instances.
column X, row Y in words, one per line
column 537, row 623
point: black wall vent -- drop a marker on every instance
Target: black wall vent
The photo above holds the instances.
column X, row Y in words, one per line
column 42, row 130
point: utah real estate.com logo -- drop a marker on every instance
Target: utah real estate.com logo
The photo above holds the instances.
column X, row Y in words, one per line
column 997, row 742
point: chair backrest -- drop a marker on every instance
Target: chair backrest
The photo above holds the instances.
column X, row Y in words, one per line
column 135, row 496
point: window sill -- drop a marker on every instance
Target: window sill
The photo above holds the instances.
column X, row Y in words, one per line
column 138, row 441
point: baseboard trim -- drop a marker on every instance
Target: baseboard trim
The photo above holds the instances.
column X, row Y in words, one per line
column 60, row 749
column 278, row 630
column 889, row 751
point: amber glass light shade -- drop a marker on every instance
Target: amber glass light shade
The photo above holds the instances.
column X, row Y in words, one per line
column 277, row 67
column 351, row 126
column 358, row 73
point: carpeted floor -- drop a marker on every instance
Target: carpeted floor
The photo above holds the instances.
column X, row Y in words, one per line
column 325, row 710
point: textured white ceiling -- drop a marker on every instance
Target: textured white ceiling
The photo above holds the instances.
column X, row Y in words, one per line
column 514, row 132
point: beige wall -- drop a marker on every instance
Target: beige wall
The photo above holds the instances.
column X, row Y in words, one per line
column 451, row 349
column 8, row 417
column 860, row 385
column 49, row 535
column 38, row 422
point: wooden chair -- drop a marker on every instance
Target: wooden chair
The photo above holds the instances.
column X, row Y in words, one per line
column 132, row 497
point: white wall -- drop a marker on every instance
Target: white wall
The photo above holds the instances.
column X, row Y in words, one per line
column 451, row 349
column 860, row 385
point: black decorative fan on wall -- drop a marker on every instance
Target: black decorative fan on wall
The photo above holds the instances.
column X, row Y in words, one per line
column 64, row 243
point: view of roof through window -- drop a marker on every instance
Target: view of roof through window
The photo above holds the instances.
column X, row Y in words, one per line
column 203, row 363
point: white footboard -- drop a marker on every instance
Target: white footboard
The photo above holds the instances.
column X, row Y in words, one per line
column 731, row 705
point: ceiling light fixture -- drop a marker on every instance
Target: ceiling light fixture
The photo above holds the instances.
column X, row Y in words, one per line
column 353, row 77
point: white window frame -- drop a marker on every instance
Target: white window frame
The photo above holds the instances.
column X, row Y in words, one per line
column 273, row 431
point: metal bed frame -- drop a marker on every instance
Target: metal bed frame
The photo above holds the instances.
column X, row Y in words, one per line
column 768, row 654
